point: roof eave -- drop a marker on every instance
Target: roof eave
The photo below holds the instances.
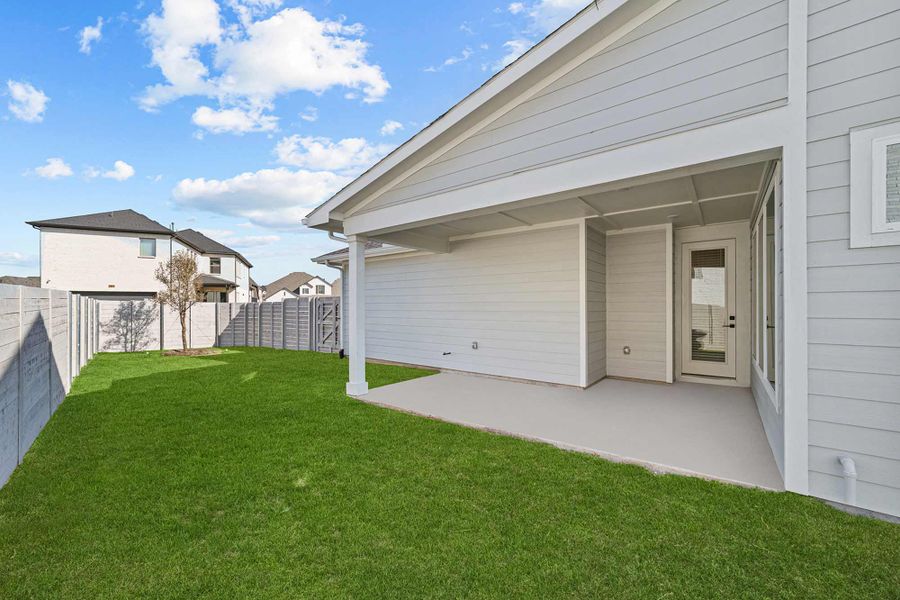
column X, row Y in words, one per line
column 324, row 214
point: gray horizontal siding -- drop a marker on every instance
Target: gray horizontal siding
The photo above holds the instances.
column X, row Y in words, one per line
column 854, row 294
column 595, row 297
column 636, row 305
column 517, row 295
column 698, row 62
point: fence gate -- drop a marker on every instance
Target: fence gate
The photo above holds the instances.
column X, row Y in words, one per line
column 327, row 324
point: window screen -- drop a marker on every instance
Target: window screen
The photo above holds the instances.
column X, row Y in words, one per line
column 148, row 247
column 892, row 183
column 215, row 266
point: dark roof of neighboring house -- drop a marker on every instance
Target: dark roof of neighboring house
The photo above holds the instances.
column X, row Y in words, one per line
column 217, row 281
column 34, row 281
column 345, row 252
column 201, row 243
column 116, row 220
column 290, row 282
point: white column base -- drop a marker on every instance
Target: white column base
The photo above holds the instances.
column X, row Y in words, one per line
column 357, row 389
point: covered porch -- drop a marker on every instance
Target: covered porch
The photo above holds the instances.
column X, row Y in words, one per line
column 712, row 432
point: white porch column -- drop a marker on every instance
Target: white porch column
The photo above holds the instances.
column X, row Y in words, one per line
column 357, row 384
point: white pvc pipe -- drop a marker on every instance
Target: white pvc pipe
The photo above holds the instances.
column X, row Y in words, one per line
column 848, row 467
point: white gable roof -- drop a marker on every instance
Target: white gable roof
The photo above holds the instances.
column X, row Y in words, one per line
column 528, row 73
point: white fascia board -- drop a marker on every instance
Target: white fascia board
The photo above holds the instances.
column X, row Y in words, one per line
column 745, row 135
column 578, row 25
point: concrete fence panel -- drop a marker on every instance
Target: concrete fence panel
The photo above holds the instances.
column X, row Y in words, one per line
column 46, row 336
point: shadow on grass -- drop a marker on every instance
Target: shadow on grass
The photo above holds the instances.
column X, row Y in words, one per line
column 254, row 474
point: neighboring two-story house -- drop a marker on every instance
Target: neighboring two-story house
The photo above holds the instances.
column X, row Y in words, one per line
column 296, row 285
column 115, row 255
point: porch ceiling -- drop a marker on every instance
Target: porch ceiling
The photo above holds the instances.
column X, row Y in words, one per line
column 717, row 195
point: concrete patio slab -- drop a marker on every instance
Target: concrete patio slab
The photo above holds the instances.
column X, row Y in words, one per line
column 694, row 429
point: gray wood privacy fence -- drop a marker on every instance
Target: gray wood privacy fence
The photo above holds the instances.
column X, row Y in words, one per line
column 46, row 337
column 294, row 324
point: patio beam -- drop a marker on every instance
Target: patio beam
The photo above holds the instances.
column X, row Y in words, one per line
column 417, row 241
column 695, row 201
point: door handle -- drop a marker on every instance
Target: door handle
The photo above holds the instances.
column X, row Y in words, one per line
column 730, row 325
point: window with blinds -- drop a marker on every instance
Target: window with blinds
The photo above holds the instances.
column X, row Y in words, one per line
column 708, row 305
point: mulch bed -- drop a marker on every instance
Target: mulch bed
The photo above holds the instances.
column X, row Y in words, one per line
column 193, row 352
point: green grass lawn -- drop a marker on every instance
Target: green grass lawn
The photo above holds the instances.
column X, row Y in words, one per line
column 250, row 473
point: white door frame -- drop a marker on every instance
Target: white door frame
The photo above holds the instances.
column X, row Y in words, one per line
column 728, row 369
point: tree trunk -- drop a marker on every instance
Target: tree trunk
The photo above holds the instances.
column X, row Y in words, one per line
column 184, row 342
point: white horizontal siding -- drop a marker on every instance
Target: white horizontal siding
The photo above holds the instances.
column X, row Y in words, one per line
column 516, row 295
column 636, row 305
column 854, row 294
column 595, row 281
column 698, row 62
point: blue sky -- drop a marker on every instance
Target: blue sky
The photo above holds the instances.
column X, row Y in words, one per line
column 234, row 117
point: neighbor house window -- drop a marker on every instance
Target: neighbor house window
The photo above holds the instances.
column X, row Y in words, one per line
column 148, row 247
column 320, row 289
column 305, row 291
column 875, row 186
column 215, row 266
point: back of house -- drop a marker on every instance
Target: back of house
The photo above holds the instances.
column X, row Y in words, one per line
column 691, row 190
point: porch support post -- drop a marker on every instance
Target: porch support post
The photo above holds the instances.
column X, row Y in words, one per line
column 357, row 385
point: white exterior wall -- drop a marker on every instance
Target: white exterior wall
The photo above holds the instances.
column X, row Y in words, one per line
column 517, row 295
column 696, row 63
column 110, row 262
column 279, row 296
column 854, row 294
column 99, row 261
column 636, row 304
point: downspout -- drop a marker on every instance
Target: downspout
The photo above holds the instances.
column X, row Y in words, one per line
column 848, row 471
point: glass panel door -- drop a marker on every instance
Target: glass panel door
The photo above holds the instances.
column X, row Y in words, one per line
column 708, row 317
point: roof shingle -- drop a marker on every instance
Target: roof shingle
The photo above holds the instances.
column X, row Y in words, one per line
column 116, row 220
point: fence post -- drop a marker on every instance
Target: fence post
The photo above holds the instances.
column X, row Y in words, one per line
column 19, row 378
column 52, row 362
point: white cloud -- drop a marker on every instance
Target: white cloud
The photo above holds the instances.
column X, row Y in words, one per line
column 120, row 172
column 89, row 35
column 228, row 238
column 17, row 259
column 310, row 115
column 541, row 18
column 547, row 15
column 233, row 120
column 253, row 241
column 463, row 56
column 26, row 102
column 246, row 10
column 514, row 49
column 348, row 156
column 250, row 63
column 277, row 198
column 54, row 168
column 391, row 127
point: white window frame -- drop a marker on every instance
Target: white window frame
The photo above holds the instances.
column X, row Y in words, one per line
column 760, row 303
column 318, row 287
column 879, row 184
column 868, row 188
column 219, row 265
